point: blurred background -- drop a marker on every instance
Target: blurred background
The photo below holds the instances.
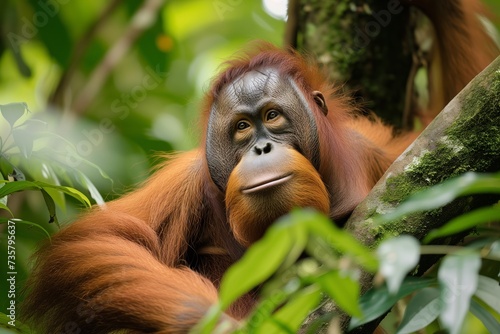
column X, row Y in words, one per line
column 92, row 92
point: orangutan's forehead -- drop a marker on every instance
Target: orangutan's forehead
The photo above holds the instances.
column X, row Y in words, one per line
column 261, row 82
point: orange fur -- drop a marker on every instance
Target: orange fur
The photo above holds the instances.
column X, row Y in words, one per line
column 249, row 216
column 122, row 266
column 152, row 260
column 462, row 48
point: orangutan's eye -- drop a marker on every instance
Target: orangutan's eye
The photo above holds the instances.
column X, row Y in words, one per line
column 242, row 125
column 272, row 114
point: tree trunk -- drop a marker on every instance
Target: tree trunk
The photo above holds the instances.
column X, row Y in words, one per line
column 363, row 44
column 464, row 137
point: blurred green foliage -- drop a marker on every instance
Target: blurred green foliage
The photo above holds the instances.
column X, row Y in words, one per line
column 456, row 296
column 185, row 46
column 148, row 104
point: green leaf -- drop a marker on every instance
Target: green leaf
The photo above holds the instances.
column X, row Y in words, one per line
column 11, row 23
column 465, row 222
column 71, row 148
column 495, row 249
column 422, row 309
column 209, row 321
column 343, row 289
column 58, row 138
column 13, row 111
column 297, row 231
column 68, row 191
column 264, row 310
column 378, row 301
column 3, row 202
column 104, row 175
column 282, row 244
column 488, row 320
column 397, row 256
column 22, row 221
column 24, row 140
column 320, row 250
column 458, row 278
column 51, row 206
column 442, row 194
column 342, row 241
column 488, row 291
column 5, row 207
column 260, row 261
column 35, row 125
column 94, row 193
column 44, row 172
column 6, row 328
column 23, row 67
column 15, row 186
column 290, row 316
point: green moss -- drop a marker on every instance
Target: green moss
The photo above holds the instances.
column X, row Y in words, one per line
column 470, row 144
column 368, row 59
column 479, row 127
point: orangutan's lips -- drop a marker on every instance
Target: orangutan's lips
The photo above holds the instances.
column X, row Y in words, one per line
column 266, row 183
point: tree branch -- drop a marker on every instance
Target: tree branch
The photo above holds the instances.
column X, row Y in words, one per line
column 464, row 137
column 142, row 20
column 79, row 52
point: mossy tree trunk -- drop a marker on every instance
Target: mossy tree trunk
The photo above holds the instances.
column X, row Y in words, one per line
column 362, row 43
column 368, row 46
column 464, row 137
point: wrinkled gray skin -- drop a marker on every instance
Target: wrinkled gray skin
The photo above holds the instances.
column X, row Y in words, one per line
column 250, row 99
